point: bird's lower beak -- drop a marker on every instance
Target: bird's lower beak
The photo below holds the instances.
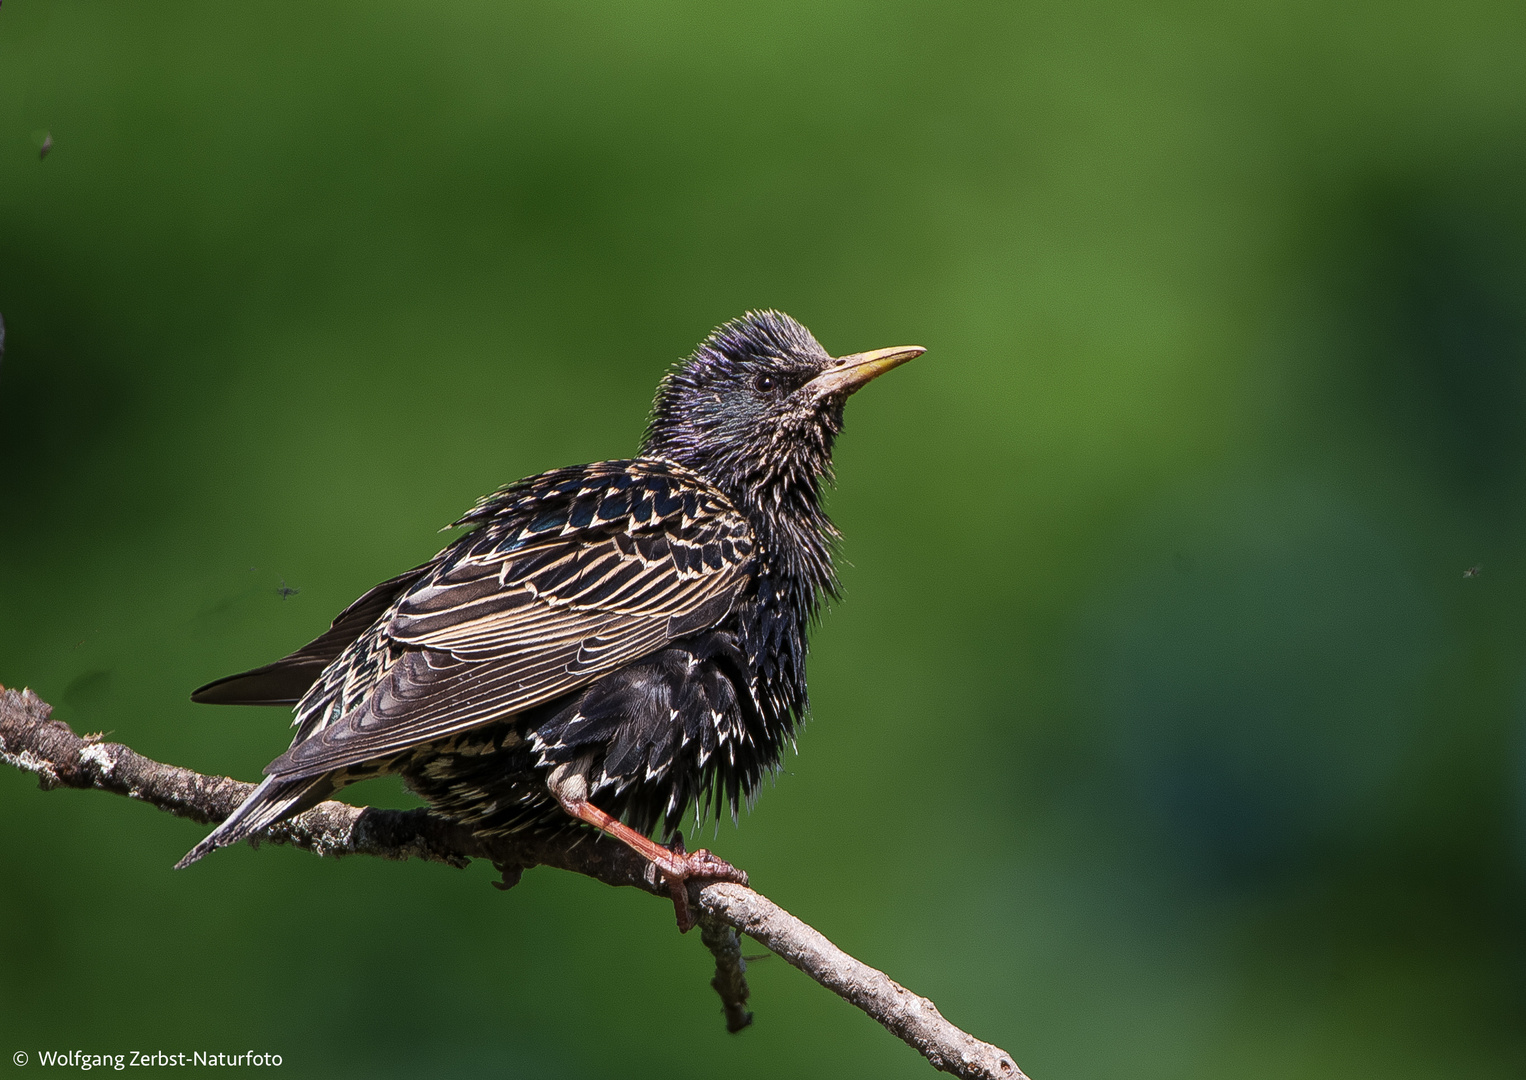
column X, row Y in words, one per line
column 848, row 373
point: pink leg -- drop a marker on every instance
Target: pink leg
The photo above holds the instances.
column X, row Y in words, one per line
column 674, row 864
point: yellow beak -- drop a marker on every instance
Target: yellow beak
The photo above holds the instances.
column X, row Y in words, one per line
column 848, row 373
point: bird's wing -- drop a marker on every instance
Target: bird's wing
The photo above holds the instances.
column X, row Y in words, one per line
column 585, row 576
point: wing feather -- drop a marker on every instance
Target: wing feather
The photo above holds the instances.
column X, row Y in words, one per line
column 286, row 681
column 553, row 591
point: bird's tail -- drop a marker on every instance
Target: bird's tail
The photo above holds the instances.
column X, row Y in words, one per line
column 273, row 801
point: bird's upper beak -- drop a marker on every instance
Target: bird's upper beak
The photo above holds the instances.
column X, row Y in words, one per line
column 848, row 373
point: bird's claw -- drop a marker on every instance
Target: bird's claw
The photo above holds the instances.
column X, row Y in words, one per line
column 680, row 866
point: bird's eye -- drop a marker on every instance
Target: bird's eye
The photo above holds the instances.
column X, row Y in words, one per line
column 765, row 384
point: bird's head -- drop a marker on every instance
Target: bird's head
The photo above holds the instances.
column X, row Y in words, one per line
column 757, row 407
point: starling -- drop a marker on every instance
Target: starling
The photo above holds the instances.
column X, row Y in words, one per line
column 609, row 644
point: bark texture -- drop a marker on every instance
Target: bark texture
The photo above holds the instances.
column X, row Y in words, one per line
column 32, row 741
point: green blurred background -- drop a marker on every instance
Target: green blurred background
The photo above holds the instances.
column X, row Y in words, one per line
column 1160, row 733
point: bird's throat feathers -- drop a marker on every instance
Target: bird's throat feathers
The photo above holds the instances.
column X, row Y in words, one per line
column 799, row 538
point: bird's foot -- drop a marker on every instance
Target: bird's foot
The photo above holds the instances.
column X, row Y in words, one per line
column 677, row 866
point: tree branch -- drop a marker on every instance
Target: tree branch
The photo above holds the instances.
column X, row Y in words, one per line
column 31, row 740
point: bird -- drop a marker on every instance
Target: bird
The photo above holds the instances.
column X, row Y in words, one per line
column 605, row 645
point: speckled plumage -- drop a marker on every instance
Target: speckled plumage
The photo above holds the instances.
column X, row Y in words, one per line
column 639, row 624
